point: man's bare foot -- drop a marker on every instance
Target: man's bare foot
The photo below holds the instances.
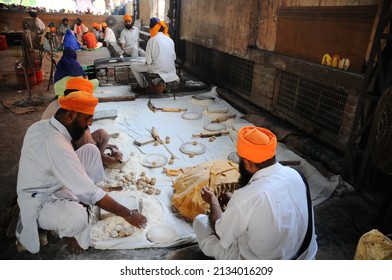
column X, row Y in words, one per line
column 73, row 245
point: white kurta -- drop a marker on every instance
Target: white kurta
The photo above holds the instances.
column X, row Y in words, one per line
column 160, row 59
column 266, row 219
column 130, row 39
column 49, row 168
column 161, row 56
column 109, row 36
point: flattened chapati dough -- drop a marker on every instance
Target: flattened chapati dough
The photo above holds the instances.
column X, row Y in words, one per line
column 161, row 233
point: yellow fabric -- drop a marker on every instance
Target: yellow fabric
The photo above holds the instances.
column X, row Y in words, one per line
column 79, row 101
column 154, row 31
column 127, row 17
column 374, row 245
column 187, row 188
column 60, row 85
column 256, row 144
column 104, row 24
column 80, row 84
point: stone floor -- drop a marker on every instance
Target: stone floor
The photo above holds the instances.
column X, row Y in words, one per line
column 340, row 221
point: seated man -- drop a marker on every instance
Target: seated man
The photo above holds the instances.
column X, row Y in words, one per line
column 97, row 30
column 56, row 184
column 67, row 67
column 269, row 217
column 99, row 137
column 110, row 41
column 90, row 41
column 129, row 39
column 78, row 30
column 160, row 55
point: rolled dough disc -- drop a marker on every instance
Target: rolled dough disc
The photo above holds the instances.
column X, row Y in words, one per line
column 161, row 233
column 217, row 109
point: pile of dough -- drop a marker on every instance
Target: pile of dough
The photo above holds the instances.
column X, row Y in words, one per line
column 113, row 227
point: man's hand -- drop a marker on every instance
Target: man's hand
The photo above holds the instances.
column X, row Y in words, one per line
column 136, row 219
column 215, row 209
column 207, row 195
column 114, row 156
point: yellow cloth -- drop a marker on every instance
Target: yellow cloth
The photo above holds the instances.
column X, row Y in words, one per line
column 256, row 144
column 127, row 17
column 60, row 85
column 154, row 31
column 187, row 188
column 80, row 84
column 104, row 24
column 374, row 245
column 79, row 101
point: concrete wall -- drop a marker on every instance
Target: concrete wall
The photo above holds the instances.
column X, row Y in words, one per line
column 12, row 20
column 232, row 26
column 249, row 29
column 153, row 8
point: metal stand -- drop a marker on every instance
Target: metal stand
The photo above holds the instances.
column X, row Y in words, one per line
column 30, row 101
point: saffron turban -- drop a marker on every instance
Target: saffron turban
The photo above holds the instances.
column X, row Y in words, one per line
column 256, row 144
column 127, row 17
column 80, row 84
column 95, row 25
column 156, row 25
column 79, row 101
column 104, row 24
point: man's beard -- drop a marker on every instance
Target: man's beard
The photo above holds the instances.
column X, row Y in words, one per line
column 128, row 26
column 76, row 131
column 245, row 175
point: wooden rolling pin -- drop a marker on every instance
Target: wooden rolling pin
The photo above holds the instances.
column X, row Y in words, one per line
column 210, row 134
column 111, row 189
column 168, row 109
column 224, row 118
column 155, row 135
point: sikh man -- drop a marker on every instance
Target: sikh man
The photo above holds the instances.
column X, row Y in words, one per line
column 99, row 137
column 56, row 184
column 269, row 217
column 129, row 39
column 108, row 35
column 78, row 29
column 160, row 55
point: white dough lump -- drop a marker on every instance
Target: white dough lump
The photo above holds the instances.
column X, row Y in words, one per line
column 161, row 233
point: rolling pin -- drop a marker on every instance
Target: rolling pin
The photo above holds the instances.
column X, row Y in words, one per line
column 222, row 119
column 155, row 135
column 210, row 134
column 168, row 109
column 111, row 189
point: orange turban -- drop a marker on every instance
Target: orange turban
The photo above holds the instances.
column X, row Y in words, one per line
column 95, row 25
column 256, row 144
column 104, row 24
column 154, row 30
column 127, row 17
column 79, row 101
column 80, row 84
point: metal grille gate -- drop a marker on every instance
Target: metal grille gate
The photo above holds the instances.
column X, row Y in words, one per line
column 311, row 103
